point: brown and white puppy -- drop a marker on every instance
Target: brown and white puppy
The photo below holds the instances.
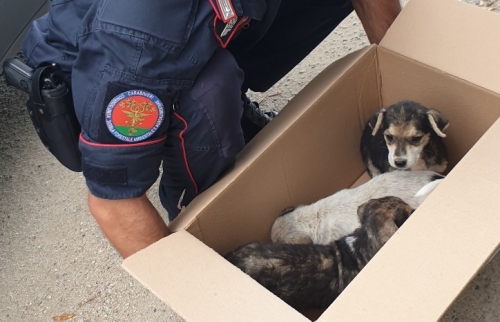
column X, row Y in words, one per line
column 312, row 276
column 404, row 136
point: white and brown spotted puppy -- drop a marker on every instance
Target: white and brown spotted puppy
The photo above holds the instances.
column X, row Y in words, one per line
column 312, row 276
column 404, row 136
column 335, row 216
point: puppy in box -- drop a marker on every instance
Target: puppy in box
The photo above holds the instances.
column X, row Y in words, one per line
column 312, row 276
column 335, row 216
column 404, row 136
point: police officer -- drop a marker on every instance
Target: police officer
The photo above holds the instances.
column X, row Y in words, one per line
column 162, row 82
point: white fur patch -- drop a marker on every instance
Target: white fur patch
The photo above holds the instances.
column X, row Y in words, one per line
column 349, row 240
column 428, row 188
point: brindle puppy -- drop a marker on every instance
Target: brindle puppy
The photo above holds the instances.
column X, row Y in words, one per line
column 312, row 276
column 404, row 136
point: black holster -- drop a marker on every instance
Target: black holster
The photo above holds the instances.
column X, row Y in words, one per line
column 51, row 109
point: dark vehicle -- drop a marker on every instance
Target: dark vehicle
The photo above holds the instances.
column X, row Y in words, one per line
column 16, row 17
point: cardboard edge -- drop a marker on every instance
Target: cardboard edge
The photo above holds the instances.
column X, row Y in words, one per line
column 379, row 78
column 382, row 50
column 446, row 33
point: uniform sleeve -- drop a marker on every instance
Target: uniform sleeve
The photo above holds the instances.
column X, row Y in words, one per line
column 135, row 58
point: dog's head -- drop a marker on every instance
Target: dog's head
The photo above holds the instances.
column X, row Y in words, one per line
column 407, row 127
column 382, row 217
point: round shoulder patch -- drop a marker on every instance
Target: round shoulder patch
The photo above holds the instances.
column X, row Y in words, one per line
column 134, row 116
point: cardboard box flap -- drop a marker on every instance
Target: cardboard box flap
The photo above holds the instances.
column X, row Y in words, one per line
column 200, row 285
column 455, row 37
column 426, row 264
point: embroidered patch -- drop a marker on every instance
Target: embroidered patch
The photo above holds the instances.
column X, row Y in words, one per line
column 134, row 115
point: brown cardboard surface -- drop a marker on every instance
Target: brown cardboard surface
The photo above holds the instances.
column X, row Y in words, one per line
column 309, row 145
column 364, row 178
column 452, row 36
column 422, row 268
column 201, row 286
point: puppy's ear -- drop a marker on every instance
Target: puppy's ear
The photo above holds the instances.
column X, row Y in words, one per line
column 363, row 212
column 401, row 216
column 376, row 121
column 438, row 122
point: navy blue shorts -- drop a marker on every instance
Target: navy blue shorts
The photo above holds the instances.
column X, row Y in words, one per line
column 204, row 134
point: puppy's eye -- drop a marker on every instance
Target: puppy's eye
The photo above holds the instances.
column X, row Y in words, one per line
column 416, row 139
column 389, row 137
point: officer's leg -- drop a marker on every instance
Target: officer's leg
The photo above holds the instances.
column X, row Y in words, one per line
column 205, row 133
column 298, row 28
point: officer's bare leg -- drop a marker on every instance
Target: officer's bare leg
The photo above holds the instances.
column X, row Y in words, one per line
column 129, row 224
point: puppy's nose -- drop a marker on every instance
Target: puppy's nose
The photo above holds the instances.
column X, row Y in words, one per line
column 400, row 163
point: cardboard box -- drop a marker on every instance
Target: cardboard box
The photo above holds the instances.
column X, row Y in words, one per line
column 434, row 54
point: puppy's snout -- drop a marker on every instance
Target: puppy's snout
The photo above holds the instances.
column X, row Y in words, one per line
column 400, row 163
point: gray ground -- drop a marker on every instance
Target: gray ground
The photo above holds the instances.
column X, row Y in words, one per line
column 54, row 259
